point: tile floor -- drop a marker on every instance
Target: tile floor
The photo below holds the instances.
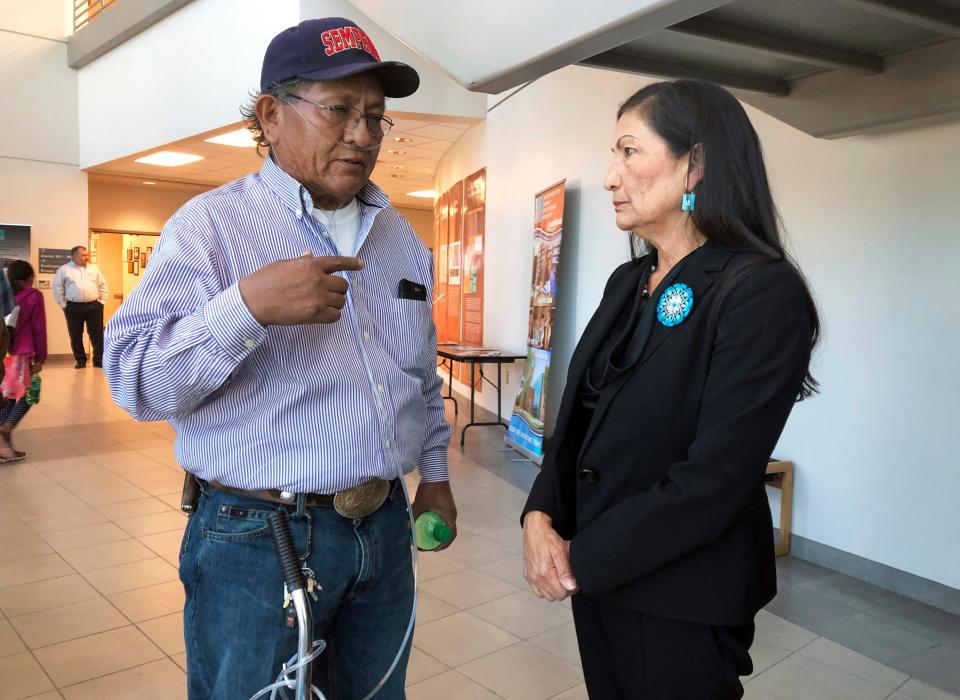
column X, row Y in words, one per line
column 90, row 603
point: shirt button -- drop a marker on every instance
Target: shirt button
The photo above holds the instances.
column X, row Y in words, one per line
column 379, row 388
column 387, row 444
column 366, row 336
column 250, row 343
column 588, row 476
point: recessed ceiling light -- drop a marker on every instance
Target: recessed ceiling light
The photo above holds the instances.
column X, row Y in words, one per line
column 399, row 167
column 424, row 194
column 169, row 159
column 395, row 175
column 149, row 182
column 241, row 138
column 403, row 139
column 397, row 153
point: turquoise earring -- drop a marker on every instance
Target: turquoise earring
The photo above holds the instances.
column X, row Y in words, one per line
column 689, row 201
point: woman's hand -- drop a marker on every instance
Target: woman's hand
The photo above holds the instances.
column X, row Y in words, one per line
column 35, row 369
column 546, row 559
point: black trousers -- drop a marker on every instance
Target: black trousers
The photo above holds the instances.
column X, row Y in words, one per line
column 90, row 313
column 629, row 655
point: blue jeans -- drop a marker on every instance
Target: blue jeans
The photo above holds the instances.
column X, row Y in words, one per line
column 234, row 623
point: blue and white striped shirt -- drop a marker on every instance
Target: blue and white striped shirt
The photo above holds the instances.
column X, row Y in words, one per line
column 309, row 408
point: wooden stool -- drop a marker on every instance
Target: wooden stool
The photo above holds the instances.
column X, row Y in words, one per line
column 780, row 476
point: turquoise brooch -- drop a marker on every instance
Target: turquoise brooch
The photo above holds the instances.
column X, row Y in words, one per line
column 675, row 305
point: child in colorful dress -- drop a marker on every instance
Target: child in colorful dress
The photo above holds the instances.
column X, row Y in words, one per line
column 28, row 352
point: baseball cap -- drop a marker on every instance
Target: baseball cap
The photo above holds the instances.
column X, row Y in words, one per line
column 332, row 48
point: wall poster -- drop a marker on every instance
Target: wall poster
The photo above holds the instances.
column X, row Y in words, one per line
column 529, row 413
column 14, row 243
column 440, row 218
column 474, row 209
column 458, row 285
column 454, row 253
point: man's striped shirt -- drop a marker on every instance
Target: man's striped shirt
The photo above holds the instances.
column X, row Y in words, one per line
column 309, row 408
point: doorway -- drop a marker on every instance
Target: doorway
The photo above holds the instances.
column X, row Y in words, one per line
column 122, row 257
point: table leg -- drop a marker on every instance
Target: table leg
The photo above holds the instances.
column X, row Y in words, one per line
column 473, row 395
column 499, row 378
column 449, row 396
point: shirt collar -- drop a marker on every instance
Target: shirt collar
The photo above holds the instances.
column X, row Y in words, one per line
column 295, row 196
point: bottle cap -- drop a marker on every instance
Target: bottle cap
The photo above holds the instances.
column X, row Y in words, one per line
column 442, row 533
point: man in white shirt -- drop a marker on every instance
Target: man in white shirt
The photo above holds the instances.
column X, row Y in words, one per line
column 80, row 289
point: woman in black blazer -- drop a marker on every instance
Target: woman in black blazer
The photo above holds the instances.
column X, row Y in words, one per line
column 650, row 508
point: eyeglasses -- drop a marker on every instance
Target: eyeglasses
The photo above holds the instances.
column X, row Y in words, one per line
column 378, row 125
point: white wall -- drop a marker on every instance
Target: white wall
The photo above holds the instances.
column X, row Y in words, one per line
column 437, row 95
column 40, row 183
column 190, row 72
column 873, row 221
column 52, row 199
column 186, row 74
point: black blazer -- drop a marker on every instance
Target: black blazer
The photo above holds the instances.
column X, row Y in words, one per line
column 662, row 493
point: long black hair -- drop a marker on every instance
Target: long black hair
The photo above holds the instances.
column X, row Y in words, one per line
column 734, row 207
column 18, row 272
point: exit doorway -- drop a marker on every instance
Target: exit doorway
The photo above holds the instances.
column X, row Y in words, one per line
column 122, row 257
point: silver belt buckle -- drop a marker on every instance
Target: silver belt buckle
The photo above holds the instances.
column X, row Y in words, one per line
column 361, row 500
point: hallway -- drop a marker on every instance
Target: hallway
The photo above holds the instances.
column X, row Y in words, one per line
column 91, row 605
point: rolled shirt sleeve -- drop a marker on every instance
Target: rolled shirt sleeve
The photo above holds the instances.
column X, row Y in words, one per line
column 178, row 336
column 433, row 460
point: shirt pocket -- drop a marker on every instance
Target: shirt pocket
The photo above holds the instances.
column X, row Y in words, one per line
column 412, row 330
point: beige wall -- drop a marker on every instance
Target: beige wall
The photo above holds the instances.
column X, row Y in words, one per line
column 143, row 208
column 873, row 222
column 422, row 222
column 109, row 254
column 52, row 200
column 40, row 183
column 134, row 209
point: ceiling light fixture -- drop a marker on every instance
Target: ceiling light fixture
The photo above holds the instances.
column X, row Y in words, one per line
column 397, row 153
column 239, row 138
column 149, row 182
column 399, row 167
column 403, row 139
column 423, row 194
column 169, row 159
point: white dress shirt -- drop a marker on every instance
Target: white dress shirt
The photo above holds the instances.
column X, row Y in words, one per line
column 79, row 284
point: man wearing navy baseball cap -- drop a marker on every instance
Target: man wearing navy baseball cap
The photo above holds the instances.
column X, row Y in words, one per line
column 284, row 329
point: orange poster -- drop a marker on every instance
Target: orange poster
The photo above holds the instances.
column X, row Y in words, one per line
column 454, row 262
column 440, row 218
column 474, row 209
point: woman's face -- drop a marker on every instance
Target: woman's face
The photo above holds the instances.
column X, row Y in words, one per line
column 646, row 181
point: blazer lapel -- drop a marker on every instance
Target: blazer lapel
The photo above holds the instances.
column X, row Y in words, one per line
column 699, row 275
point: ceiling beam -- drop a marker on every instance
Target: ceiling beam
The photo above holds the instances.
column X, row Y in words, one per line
column 919, row 13
column 630, row 63
column 807, row 52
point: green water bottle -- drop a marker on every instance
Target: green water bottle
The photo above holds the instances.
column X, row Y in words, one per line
column 432, row 531
column 33, row 392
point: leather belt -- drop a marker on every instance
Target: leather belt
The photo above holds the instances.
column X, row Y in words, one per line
column 356, row 502
column 321, row 500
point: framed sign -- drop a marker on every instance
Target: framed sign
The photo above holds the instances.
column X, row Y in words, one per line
column 52, row 259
